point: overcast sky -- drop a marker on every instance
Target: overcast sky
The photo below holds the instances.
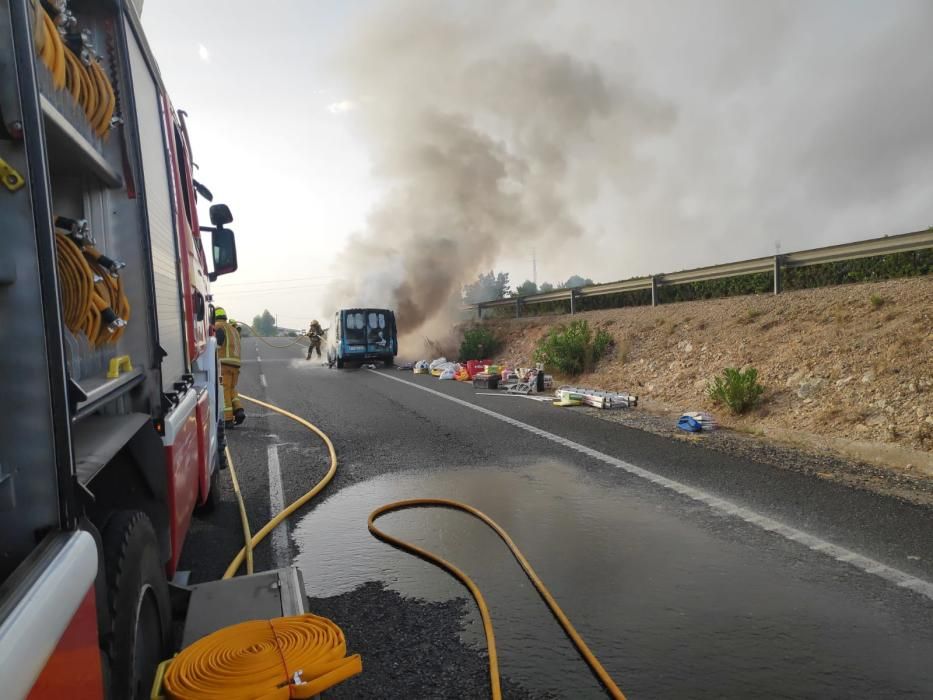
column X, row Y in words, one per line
column 629, row 137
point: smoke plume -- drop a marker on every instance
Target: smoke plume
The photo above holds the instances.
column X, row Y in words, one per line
column 625, row 138
column 485, row 144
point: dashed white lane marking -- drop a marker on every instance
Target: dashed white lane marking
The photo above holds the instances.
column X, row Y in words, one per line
column 276, row 505
column 262, row 379
column 859, row 561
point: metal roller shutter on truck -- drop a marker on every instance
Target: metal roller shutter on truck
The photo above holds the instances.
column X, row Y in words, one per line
column 165, row 255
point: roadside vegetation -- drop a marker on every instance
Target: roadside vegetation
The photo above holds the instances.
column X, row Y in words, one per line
column 736, row 389
column 479, row 344
column 265, row 324
column 572, row 349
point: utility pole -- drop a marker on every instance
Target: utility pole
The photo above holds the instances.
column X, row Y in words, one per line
column 534, row 267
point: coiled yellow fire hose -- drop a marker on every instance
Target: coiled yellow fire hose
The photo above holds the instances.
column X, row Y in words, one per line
column 93, row 299
column 287, row 657
column 87, row 82
column 611, row 687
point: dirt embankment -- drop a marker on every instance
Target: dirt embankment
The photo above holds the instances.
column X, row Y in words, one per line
column 848, row 369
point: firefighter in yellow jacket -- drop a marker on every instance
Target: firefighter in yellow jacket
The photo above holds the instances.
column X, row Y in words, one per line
column 228, row 348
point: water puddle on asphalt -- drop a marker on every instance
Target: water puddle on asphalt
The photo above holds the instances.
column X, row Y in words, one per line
column 575, row 528
column 660, row 590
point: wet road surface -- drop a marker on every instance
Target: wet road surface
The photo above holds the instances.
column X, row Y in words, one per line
column 689, row 573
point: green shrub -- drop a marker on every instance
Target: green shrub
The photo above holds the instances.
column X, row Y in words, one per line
column 876, row 301
column 479, row 344
column 735, row 389
column 572, row 349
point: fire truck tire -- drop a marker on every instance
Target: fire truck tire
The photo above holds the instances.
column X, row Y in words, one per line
column 139, row 604
column 389, row 361
column 213, row 496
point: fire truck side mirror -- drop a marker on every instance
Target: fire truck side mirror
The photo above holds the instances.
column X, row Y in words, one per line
column 223, row 245
column 220, row 215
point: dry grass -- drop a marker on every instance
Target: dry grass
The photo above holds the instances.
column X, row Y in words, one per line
column 623, row 347
column 768, row 325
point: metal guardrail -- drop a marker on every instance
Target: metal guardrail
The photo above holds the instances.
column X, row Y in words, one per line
column 901, row 243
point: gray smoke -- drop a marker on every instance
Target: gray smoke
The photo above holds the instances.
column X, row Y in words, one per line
column 625, row 138
column 486, row 143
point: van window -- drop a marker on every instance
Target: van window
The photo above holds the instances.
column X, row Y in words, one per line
column 355, row 332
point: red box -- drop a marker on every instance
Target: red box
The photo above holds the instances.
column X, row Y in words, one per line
column 474, row 367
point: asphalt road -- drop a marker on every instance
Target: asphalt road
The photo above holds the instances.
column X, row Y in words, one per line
column 689, row 573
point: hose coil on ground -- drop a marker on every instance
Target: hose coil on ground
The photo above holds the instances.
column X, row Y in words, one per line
column 286, row 657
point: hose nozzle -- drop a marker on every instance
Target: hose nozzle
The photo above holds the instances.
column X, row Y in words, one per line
column 115, row 325
column 78, row 229
column 112, row 266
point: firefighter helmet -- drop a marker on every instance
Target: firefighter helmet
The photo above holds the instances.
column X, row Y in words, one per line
column 220, row 314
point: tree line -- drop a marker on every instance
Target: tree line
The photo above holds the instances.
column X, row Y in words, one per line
column 491, row 285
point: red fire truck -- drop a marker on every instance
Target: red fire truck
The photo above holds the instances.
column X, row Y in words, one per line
column 111, row 433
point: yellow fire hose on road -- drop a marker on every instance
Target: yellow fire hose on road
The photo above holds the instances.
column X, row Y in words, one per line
column 244, row 519
column 277, row 347
column 318, row 487
column 246, row 659
column 565, row 623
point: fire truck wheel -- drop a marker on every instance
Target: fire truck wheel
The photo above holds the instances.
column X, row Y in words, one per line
column 139, row 604
column 213, row 496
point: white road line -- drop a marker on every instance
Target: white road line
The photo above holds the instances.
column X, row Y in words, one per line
column 262, row 379
column 866, row 564
column 276, row 505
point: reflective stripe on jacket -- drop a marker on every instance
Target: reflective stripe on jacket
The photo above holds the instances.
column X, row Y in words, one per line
column 230, row 349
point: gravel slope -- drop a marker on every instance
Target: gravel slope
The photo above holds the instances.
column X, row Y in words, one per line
column 854, row 363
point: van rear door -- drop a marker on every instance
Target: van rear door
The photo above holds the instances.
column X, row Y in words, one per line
column 354, row 333
column 378, row 333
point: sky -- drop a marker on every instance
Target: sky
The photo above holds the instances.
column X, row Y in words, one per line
column 386, row 152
